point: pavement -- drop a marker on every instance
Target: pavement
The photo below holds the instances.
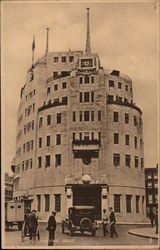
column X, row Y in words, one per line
column 147, row 232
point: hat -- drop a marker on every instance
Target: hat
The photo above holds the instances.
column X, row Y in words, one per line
column 110, row 208
column 34, row 211
column 53, row 212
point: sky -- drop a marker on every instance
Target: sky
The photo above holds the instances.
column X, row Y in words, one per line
column 124, row 34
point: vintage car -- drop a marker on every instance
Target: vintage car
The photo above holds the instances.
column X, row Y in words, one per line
column 80, row 218
column 14, row 214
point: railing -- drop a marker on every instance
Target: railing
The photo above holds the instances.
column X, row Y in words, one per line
column 53, row 104
column 64, row 74
column 86, row 142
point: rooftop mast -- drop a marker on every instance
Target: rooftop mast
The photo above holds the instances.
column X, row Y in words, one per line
column 88, row 44
column 47, row 41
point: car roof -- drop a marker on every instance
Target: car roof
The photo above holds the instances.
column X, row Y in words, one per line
column 83, row 207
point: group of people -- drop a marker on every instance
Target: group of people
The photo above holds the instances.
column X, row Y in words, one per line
column 31, row 224
column 109, row 219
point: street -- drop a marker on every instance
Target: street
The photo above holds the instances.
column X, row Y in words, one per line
column 13, row 238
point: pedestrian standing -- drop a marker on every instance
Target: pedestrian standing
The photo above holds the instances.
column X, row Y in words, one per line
column 151, row 217
column 104, row 222
column 51, row 228
column 33, row 223
column 112, row 218
column 156, row 221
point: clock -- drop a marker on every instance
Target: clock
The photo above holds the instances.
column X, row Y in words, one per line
column 86, row 63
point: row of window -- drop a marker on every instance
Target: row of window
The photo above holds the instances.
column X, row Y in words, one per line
column 31, row 94
column 112, row 85
column 86, row 97
column 30, row 110
column 152, row 184
column 155, row 176
column 86, row 116
column 48, row 140
column 28, row 146
column 64, row 86
column 126, row 118
column 57, row 202
column 58, row 160
column 86, row 79
column 19, row 135
column 18, row 151
column 27, row 164
column 20, row 119
column 129, row 208
column 28, row 127
column 63, row 59
column 152, row 198
column 127, row 140
column 117, row 161
column 86, row 136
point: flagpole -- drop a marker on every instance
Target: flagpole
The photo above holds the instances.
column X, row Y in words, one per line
column 33, row 49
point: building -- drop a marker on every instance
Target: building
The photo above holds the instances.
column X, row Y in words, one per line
column 79, row 137
column 151, row 184
column 8, row 187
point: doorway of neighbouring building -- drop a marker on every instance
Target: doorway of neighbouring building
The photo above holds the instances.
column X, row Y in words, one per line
column 87, row 195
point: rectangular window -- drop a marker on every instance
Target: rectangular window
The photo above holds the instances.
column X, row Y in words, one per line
column 33, row 125
column 40, row 142
column 71, row 58
column 117, row 203
column 58, row 117
column 92, row 135
column 86, row 136
column 55, row 59
column 55, row 74
column 48, row 159
column 149, row 184
column 110, row 98
column 115, row 116
column 142, row 204
column 99, row 136
column 74, row 136
column 128, row 203
column 31, row 163
column 31, row 144
column 155, row 184
column 99, row 115
column 126, row 87
column 126, row 118
column 80, row 116
column 22, row 165
column 149, row 176
column 92, row 79
column 58, row 139
column 141, row 142
column 80, row 136
column 39, row 162
column 38, row 202
column 48, row 141
column 63, row 59
column 136, row 161
column 48, row 90
column 55, row 87
column 135, row 141
column 92, row 115
column 137, row 203
column 40, row 122
column 116, row 159
column 111, row 83
column 86, row 79
column 142, row 163
column 80, row 97
column 116, row 138
column 135, row 121
column 127, row 160
column 74, row 116
column 48, row 120
column 64, row 85
column 86, row 96
column 92, row 96
column 47, row 202
column 33, row 107
column 80, row 80
column 86, row 116
column 127, row 139
column 57, row 202
column 155, row 175
column 150, row 199
column 119, row 85
column 64, row 100
column 58, row 160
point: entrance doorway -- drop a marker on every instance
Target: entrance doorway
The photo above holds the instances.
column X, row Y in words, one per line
column 87, row 195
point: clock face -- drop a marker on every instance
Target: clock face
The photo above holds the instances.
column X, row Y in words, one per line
column 86, row 62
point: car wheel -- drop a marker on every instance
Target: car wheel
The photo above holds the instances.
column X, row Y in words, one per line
column 85, row 223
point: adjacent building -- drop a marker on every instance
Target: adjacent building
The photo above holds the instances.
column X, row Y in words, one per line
column 79, row 137
column 8, row 187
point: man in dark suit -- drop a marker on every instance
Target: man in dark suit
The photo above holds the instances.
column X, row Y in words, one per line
column 51, row 228
column 33, row 223
column 112, row 223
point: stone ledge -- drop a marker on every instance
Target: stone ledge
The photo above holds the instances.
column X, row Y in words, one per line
column 144, row 232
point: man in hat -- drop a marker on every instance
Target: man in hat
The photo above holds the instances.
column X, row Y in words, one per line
column 33, row 223
column 112, row 223
column 51, row 228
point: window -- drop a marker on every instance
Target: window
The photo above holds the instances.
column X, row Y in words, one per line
column 63, row 59
column 71, row 58
column 80, row 97
column 128, row 203
column 117, row 203
column 115, row 116
column 126, row 118
column 31, row 144
column 127, row 139
column 150, row 199
column 74, row 116
column 92, row 135
column 86, row 96
column 32, row 125
column 55, row 87
column 135, row 141
column 99, row 136
column 110, row 98
column 149, row 176
column 38, row 202
column 116, row 159
column 31, row 163
column 33, row 107
column 86, row 115
column 127, row 160
column 48, row 141
column 48, row 120
column 64, row 100
column 136, row 161
column 135, row 121
column 22, row 165
column 48, row 158
column 126, row 87
column 142, row 163
column 48, row 90
column 80, row 136
column 80, row 116
column 92, row 116
column 99, row 115
column 58, row 160
column 155, row 175
column 58, row 117
column 40, row 122
column 86, row 79
column 74, row 136
column 55, row 74
column 39, row 162
column 92, row 96
column 142, row 204
column 137, row 203
column 64, row 85
column 155, row 184
column 92, row 79
column 149, row 184
column 47, row 202
column 86, row 136
column 58, row 139
column 141, row 142
column 80, row 80
column 55, row 59
column 116, row 138
column 40, row 142
column 111, row 83
column 119, row 85
column 156, row 198
column 57, row 202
